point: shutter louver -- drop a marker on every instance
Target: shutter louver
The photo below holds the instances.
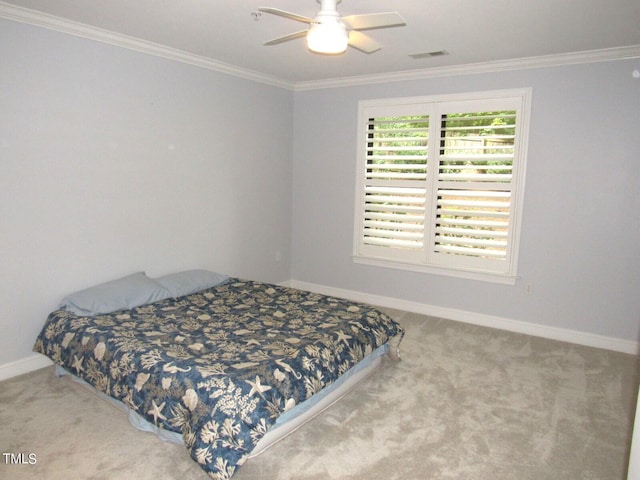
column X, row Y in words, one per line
column 395, row 182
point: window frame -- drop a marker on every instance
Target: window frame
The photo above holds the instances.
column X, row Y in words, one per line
column 435, row 106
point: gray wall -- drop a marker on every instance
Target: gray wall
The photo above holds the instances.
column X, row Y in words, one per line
column 112, row 162
column 580, row 231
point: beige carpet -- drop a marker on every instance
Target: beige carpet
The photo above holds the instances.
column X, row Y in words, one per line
column 465, row 402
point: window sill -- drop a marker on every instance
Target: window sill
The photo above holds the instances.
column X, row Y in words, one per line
column 503, row 279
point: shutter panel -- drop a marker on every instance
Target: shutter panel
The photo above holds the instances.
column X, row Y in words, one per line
column 394, row 216
column 473, row 188
column 395, row 182
column 472, row 222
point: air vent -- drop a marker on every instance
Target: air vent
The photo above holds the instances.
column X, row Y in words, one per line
column 436, row 53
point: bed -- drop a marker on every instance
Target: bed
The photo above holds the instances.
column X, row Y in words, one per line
column 225, row 370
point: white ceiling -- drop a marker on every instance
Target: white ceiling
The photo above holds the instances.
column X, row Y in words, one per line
column 472, row 31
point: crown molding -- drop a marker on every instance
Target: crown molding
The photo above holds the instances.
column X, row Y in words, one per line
column 32, row 17
column 590, row 56
column 51, row 22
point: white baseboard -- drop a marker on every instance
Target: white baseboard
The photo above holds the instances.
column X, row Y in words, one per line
column 517, row 326
column 24, row 365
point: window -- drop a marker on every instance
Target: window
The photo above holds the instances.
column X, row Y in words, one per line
column 441, row 182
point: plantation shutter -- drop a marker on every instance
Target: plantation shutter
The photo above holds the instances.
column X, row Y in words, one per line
column 473, row 187
column 440, row 182
column 395, row 184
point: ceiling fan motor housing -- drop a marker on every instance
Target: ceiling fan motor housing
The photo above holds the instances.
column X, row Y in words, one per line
column 328, row 34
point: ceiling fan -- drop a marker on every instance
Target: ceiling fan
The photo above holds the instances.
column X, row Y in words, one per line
column 330, row 33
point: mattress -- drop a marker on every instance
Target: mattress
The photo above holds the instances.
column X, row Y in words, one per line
column 223, row 367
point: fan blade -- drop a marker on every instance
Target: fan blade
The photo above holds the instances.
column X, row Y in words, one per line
column 362, row 42
column 286, row 38
column 373, row 20
column 289, row 15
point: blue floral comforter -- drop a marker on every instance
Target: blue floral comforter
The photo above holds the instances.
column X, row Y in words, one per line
column 221, row 365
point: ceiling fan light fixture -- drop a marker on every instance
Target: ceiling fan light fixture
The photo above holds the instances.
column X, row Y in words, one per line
column 328, row 37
